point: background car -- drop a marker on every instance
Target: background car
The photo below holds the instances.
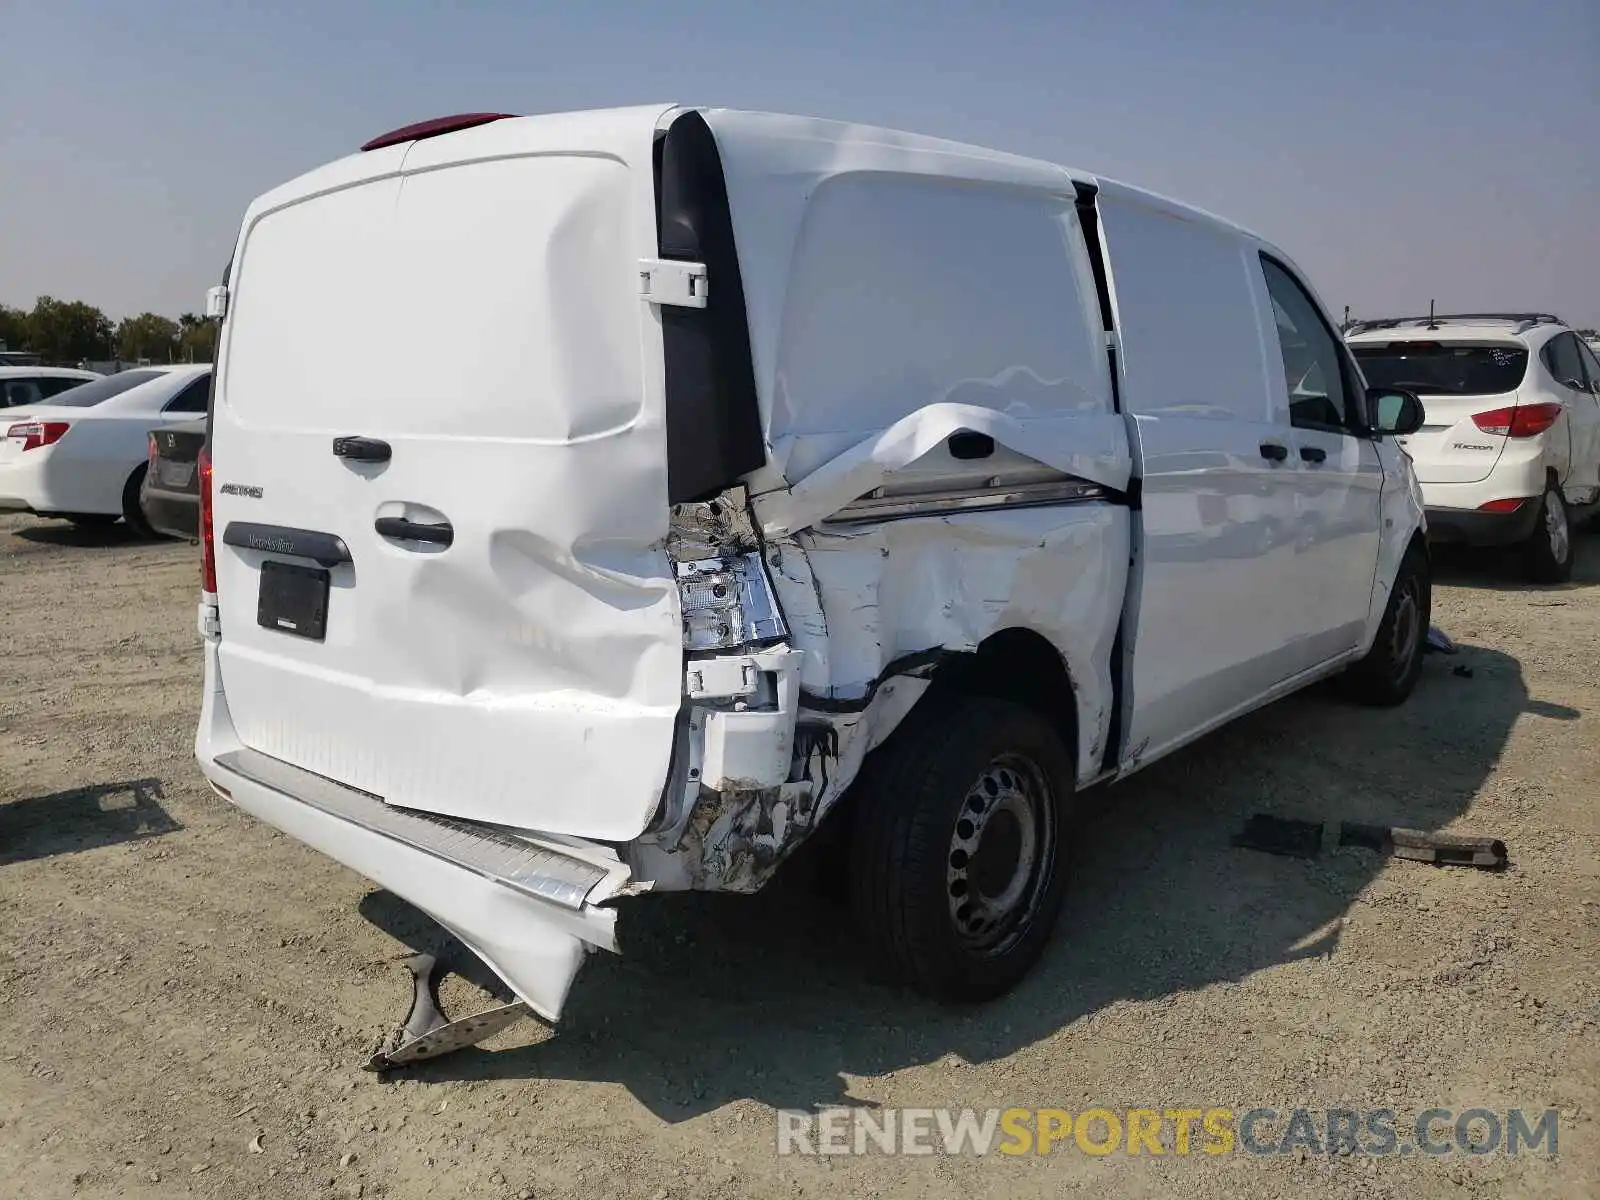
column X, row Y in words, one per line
column 170, row 494
column 1509, row 452
column 37, row 385
column 83, row 454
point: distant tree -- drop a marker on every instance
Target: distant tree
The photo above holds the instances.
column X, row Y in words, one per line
column 148, row 335
column 13, row 327
column 67, row 331
column 197, row 338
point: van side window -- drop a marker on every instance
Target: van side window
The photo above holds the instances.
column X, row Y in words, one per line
column 1312, row 366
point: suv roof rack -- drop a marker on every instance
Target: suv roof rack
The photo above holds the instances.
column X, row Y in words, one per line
column 1523, row 321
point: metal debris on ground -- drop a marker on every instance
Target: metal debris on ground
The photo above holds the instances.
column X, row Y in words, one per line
column 1442, row 849
column 427, row 1032
column 1280, row 835
column 1439, row 642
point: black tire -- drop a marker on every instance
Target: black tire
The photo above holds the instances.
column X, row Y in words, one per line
column 920, row 837
column 132, row 513
column 1388, row 673
column 92, row 520
column 1547, row 554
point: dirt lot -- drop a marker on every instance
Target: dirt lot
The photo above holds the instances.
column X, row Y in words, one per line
column 176, row 979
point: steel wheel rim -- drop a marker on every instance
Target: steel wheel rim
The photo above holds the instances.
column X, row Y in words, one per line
column 1000, row 854
column 1555, row 525
column 1407, row 626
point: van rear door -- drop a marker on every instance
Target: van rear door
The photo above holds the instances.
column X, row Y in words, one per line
column 440, row 481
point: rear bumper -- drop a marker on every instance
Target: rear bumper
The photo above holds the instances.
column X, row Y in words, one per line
column 1468, row 527
column 176, row 514
column 22, row 484
column 531, row 908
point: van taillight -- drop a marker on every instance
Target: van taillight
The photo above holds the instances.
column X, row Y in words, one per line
column 1525, row 420
column 34, row 434
column 208, row 543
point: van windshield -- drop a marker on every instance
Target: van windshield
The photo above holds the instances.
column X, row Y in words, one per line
column 86, row 395
column 1443, row 368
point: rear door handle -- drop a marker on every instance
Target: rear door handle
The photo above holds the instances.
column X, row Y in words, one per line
column 415, row 531
column 1274, row 451
column 1313, row 453
column 361, row 449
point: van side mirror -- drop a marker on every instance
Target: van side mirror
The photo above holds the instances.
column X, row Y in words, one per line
column 1396, row 410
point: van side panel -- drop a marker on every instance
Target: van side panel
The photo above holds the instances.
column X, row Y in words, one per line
column 917, row 308
column 896, row 589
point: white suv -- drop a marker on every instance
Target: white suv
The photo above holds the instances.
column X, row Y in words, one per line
column 1510, row 451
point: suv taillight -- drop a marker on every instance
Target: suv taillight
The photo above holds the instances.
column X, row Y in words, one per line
column 1524, row 420
column 208, row 544
column 33, row 434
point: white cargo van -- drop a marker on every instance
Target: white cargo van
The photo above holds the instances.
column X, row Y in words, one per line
column 780, row 468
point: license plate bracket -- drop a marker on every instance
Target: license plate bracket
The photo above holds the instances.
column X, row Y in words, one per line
column 293, row 599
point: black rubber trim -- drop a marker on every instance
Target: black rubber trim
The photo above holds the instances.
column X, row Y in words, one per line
column 919, row 664
column 713, row 421
column 1089, row 219
column 324, row 549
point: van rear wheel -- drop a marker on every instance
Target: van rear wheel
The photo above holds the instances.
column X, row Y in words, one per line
column 959, row 843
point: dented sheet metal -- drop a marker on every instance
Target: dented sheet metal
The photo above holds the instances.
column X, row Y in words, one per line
column 1092, row 447
column 895, row 589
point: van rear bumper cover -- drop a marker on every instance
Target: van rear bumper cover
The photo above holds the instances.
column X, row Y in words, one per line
column 531, row 907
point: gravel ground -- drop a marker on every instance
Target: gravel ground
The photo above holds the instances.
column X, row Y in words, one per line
column 186, row 995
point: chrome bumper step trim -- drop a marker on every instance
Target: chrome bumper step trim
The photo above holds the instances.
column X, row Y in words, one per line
column 502, row 857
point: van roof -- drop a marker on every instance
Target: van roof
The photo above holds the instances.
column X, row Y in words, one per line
column 772, row 140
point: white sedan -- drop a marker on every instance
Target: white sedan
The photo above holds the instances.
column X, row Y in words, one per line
column 82, row 454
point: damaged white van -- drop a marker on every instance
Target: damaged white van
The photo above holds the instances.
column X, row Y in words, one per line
column 772, row 468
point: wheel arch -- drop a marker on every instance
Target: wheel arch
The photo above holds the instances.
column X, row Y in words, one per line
column 1025, row 667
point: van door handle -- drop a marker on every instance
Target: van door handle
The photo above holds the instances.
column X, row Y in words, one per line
column 361, row 449
column 1313, row 453
column 1274, row 451
column 415, row 531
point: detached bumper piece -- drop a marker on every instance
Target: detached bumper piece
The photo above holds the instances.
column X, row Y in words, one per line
column 428, row 1033
column 1441, row 849
column 530, row 906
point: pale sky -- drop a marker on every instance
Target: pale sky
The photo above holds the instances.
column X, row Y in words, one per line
column 1400, row 150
